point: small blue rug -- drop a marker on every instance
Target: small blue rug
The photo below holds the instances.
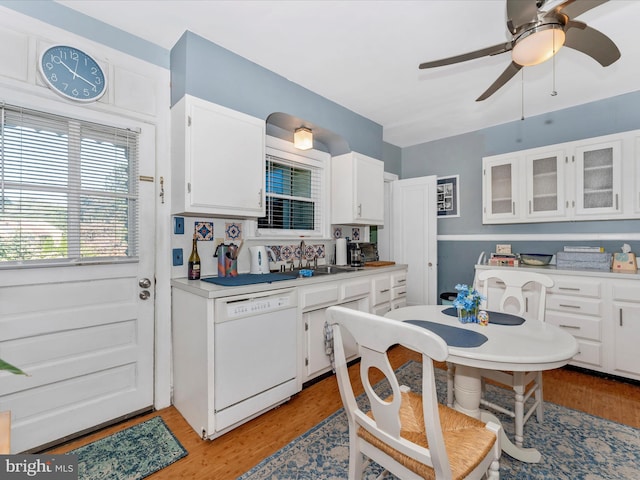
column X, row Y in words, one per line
column 130, row 454
column 574, row 445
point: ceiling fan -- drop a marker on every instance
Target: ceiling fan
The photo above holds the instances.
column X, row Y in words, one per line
column 537, row 35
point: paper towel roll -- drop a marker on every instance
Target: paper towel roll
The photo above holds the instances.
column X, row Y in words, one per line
column 341, row 251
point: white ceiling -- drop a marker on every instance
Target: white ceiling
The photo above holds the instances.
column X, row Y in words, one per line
column 364, row 55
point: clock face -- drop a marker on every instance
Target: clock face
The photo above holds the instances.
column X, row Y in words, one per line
column 72, row 73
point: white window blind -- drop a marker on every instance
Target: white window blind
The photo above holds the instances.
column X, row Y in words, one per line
column 293, row 196
column 68, row 189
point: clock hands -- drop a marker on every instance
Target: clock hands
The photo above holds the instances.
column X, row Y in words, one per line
column 57, row 59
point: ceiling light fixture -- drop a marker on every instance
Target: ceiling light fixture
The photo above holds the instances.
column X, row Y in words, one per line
column 303, row 138
column 538, row 44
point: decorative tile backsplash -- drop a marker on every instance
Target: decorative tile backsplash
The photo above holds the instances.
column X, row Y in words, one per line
column 354, row 234
column 204, row 231
column 232, row 231
column 284, row 253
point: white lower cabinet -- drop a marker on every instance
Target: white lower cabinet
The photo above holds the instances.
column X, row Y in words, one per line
column 398, row 290
column 358, row 293
column 238, row 352
column 314, row 301
column 575, row 305
column 602, row 311
column 626, row 328
column 381, row 294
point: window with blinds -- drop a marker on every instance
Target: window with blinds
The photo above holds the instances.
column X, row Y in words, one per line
column 68, row 190
column 292, row 196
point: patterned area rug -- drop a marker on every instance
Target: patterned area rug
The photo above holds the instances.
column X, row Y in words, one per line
column 574, row 445
column 130, row 454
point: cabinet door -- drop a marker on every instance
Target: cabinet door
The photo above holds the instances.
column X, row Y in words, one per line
column 369, row 190
column 317, row 361
column 357, row 190
column 501, row 204
column 598, row 179
column 226, row 163
column 545, row 185
column 626, row 338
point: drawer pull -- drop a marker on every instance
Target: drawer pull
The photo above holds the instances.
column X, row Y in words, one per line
column 403, row 280
column 573, row 289
column 385, row 290
column 402, row 293
column 569, row 306
column 570, row 326
column 620, row 313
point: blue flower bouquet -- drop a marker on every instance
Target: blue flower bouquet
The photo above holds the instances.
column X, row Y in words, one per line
column 468, row 303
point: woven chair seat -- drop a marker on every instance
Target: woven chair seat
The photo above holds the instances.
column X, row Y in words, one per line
column 466, row 439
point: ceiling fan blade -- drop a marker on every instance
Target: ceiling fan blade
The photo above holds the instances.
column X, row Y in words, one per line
column 573, row 8
column 489, row 51
column 590, row 41
column 507, row 75
column 521, row 12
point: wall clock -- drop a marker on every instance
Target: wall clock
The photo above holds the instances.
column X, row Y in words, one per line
column 72, row 73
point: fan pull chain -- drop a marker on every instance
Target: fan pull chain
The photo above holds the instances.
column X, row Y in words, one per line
column 522, row 94
column 553, row 67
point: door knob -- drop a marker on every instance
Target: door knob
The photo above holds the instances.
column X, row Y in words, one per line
column 144, row 283
column 144, row 294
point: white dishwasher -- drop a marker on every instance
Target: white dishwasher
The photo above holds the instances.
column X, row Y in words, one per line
column 255, row 354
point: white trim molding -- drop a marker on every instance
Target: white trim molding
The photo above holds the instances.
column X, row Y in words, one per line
column 544, row 237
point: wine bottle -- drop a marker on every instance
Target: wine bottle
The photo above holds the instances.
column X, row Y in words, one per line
column 194, row 261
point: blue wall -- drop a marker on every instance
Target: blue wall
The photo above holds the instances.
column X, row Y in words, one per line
column 463, row 154
column 206, row 70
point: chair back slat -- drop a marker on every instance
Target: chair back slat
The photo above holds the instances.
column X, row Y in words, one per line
column 514, row 282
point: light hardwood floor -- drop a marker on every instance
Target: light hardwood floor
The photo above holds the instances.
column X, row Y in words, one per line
column 231, row 455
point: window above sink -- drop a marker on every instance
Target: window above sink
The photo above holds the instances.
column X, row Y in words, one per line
column 297, row 198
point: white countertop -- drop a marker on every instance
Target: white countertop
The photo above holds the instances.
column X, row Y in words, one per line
column 211, row 290
column 552, row 269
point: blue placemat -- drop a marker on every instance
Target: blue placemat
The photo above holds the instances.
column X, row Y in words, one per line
column 454, row 336
column 249, row 279
column 497, row 318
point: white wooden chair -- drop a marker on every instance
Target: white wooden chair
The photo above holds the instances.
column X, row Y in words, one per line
column 524, row 384
column 408, row 434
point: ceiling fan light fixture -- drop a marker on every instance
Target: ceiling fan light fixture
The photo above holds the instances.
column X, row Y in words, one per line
column 538, row 44
column 303, row 138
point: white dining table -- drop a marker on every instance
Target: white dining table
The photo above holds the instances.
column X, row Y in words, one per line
column 531, row 346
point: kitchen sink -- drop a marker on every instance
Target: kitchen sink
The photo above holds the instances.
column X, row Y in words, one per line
column 327, row 269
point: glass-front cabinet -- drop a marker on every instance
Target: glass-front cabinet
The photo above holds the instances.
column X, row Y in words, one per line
column 598, row 178
column 591, row 179
column 500, row 201
column 545, row 184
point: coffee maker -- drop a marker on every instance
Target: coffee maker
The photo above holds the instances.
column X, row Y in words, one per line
column 354, row 254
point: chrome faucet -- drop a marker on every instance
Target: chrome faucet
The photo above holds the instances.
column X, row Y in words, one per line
column 302, row 252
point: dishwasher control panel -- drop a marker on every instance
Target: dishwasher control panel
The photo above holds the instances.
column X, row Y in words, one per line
column 261, row 305
column 230, row 308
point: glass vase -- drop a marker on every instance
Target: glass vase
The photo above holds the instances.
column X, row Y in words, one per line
column 468, row 316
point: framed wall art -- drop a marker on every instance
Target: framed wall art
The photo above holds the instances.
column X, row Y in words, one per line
column 448, row 196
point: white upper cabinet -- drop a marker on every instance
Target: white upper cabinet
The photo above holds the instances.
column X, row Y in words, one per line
column 218, row 160
column 500, row 193
column 592, row 179
column 599, row 178
column 357, row 190
column 545, row 184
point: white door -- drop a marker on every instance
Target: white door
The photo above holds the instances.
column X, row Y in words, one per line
column 414, row 221
column 384, row 231
column 84, row 334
